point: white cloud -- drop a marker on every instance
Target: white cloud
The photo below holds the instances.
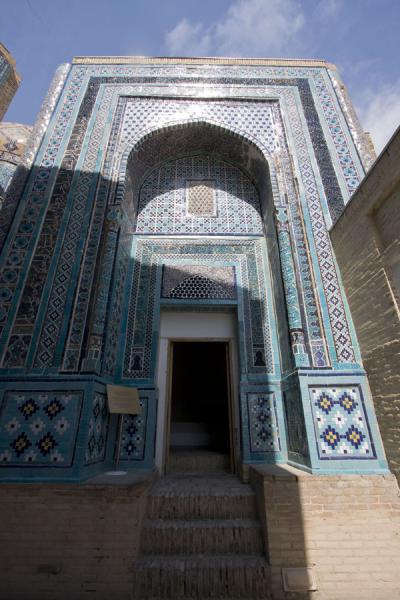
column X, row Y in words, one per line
column 379, row 112
column 256, row 27
column 248, row 28
column 326, row 9
column 188, row 38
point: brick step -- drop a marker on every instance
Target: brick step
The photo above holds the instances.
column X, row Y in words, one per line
column 202, row 577
column 190, row 498
column 234, row 536
column 196, row 461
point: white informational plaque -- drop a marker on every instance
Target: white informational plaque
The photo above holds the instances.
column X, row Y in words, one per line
column 123, row 400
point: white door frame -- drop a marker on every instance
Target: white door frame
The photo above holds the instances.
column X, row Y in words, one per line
column 193, row 326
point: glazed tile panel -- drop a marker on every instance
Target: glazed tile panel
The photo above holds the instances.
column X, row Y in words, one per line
column 19, row 342
column 263, row 422
column 98, row 429
column 82, row 288
column 145, row 289
column 166, row 203
column 39, row 428
column 133, row 436
column 341, row 423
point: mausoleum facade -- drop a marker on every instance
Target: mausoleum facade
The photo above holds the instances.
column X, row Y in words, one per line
column 162, row 193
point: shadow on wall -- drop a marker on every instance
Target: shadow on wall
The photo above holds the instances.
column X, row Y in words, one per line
column 281, row 511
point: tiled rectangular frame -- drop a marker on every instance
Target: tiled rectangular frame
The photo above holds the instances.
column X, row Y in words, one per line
column 340, row 336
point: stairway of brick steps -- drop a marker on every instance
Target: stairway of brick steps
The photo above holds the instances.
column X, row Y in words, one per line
column 190, row 462
column 201, row 537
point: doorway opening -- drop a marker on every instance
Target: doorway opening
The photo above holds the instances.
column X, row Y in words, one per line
column 200, row 407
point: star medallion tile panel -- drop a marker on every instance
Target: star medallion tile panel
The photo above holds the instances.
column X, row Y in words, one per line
column 39, row 428
column 341, row 424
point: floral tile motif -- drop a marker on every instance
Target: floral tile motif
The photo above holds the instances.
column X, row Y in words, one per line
column 264, row 434
column 341, row 424
column 39, row 428
column 98, row 429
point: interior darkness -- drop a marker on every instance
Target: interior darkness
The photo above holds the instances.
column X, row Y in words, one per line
column 199, row 401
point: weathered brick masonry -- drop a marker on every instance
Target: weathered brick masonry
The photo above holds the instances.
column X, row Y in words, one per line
column 69, row 541
column 366, row 240
column 62, row 541
column 346, row 527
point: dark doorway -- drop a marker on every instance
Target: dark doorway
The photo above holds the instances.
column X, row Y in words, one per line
column 200, row 397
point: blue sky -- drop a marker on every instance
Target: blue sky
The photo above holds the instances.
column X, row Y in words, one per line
column 360, row 36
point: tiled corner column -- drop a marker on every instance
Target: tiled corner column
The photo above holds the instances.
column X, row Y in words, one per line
column 92, row 359
column 291, row 292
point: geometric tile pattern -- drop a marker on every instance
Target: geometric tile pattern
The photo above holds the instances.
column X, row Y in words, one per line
column 116, row 309
column 301, row 253
column 52, row 251
column 343, row 341
column 133, row 436
column 198, row 287
column 198, row 281
column 264, row 434
column 19, row 342
column 39, row 428
column 337, row 313
column 200, row 197
column 151, row 112
column 171, row 203
column 47, row 341
column 98, row 429
column 340, row 422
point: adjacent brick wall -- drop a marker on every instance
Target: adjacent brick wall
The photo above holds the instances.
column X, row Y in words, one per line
column 89, row 533
column 347, row 527
column 366, row 241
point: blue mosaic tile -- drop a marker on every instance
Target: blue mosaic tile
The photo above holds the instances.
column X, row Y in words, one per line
column 152, row 254
column 98, row 430
column 163, row 202
column 244, row 116
column 263, row 422
column 39, row 428
column 133, row 437
column 341, row 424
